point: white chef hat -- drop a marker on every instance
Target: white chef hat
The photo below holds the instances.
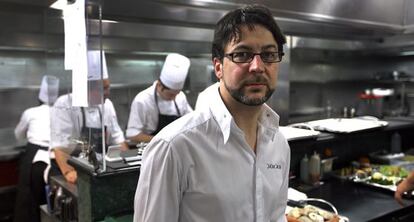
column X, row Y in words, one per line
column 49, row 89
column 94, row 65
column 174, row 71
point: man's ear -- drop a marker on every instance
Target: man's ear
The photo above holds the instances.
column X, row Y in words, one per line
column 159, row 86
column 218, row 68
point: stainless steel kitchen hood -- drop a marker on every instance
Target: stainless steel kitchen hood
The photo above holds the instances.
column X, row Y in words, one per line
column 186, row 25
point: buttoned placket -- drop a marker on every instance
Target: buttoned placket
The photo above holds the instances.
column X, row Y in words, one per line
column 263, row 136
column 259, row 177
column 257, row 191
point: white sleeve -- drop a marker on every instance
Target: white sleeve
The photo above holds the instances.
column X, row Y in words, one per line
column 62, row 123
column 117, row 136
column 158, row 194
column 137, row 118
column 21, row 129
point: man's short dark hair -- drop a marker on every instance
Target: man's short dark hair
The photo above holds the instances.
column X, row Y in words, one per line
column 229, row 27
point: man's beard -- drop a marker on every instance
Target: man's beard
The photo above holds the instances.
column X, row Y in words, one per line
column 238, row 94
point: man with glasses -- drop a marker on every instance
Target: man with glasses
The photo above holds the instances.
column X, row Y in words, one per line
column 226, row 161
column 161, row 103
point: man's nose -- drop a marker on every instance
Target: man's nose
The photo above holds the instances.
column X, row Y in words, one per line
column 257, row 64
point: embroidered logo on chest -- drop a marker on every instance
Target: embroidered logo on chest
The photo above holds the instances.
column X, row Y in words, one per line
column 274, row 166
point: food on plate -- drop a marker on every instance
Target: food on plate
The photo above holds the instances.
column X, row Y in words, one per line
column 388, row 175
column 384, row 176
column 382, row 179
column 361, row 174
column 377, row 176
column 396, row 171
column 311, row 214
column 315, row 217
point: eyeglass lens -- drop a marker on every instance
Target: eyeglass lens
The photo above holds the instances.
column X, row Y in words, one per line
column 244, row 57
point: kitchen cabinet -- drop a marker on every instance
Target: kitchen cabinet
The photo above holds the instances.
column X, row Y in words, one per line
column 104, row 193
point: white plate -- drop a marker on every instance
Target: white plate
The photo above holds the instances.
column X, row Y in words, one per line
column 292, row 133
column 345, row 125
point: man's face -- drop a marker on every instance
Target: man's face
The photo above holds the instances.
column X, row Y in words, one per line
column 94, row 94
column 249, row 83
column 165, row 92
column 106, row 88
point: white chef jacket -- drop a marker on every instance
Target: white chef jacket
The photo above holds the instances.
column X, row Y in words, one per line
column 67, row 121
column 200, row 168
column 34, row 126
column 143, row 117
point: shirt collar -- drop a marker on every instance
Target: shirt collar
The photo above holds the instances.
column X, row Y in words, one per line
column 269, row 120
column 220, row 113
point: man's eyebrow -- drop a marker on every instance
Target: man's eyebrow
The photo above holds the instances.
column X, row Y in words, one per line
column 270, row 47
column 242, row 47
column 248, row 48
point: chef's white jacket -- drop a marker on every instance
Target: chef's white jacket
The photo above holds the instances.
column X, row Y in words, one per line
column 67, row 121
column 143, row 117
column 200, row 168
column 34, row 126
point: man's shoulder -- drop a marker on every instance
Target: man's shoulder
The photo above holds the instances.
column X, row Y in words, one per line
column 193, row 121
column 34, row 108
column 108, row 102
column 30, row 112
column 63, row 100
column 144, row 94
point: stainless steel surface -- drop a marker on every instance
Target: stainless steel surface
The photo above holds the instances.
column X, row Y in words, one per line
column 25, row 24
column 280, row 98
column 331, row 41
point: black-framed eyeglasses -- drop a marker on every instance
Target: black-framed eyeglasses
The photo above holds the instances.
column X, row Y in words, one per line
column 246, row 57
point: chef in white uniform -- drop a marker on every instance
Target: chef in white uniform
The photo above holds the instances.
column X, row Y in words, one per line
column 161, row 103
column 83, row 123
column 34, row 126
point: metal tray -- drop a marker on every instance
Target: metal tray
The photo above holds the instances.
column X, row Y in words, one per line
column 387, row 188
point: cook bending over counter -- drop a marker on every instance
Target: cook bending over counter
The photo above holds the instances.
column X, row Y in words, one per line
column 160, row 104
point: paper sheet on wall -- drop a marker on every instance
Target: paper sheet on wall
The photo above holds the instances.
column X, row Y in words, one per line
column 75, row 51
column 80, row 81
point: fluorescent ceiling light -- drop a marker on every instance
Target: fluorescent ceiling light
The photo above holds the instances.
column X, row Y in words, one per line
column 108, row 21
